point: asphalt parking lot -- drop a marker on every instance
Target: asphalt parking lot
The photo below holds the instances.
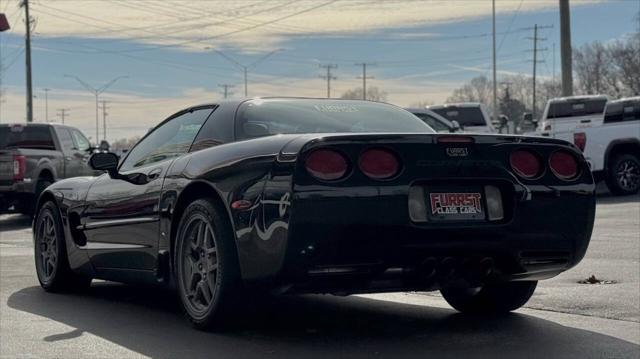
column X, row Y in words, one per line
column 563, row 319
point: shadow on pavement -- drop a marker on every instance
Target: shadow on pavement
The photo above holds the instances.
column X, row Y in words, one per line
column 149, row 322
column 13, row 222
column 612, row 199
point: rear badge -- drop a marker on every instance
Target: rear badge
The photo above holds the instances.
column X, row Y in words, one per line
column 457, row 151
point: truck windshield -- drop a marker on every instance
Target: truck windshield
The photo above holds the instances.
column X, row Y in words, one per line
column 20, row 136
column 466, row 116
column 576, row 108
column 280, row 116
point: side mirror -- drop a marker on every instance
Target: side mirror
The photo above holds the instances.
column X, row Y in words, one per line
column 253, row 129
column 455, row 126
column 104, row 146
column 104, row 161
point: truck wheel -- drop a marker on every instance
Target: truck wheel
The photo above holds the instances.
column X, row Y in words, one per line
column 206, row 265
column 52, row 264
column 491, row 298
column 623, row 175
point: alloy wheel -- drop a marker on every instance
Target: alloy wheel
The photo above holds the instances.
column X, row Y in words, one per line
column 199, row 264
column 47, row 246
column 628, row 175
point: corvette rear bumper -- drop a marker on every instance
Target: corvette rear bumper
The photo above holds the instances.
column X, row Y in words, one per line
column 332, row 240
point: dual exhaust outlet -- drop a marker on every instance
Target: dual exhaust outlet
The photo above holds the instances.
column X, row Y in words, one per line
column 449, row 268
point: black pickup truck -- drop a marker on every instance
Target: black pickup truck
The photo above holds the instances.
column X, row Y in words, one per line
column 33, row 156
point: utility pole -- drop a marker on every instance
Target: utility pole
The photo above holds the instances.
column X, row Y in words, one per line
column 364, row 78
column 329, row 76
column 535, row 39
column 225, row 89
column 96, row 91
column 565, row 49
column 104, row 119
column 46, row 104
column 62, row 113
column 495, row 84
column 245, row 68
column 27, row 57
column 554, row 62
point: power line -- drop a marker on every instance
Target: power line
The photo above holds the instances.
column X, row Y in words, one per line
column 535, row 40
column 225, row 90
column 104, row 119
column 328, row 76
column 364, row 77
column 63, row 113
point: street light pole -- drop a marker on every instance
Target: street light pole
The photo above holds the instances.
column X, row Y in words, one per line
column 46, row 104
column 245, row 68
column 96, row 92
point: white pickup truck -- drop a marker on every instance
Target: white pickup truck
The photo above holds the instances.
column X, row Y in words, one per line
column 612, row 146
column 607, row 132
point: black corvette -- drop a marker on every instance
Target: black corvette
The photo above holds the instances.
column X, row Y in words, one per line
column 319, row 196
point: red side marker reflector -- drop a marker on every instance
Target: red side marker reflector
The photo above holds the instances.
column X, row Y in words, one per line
column 241, row 204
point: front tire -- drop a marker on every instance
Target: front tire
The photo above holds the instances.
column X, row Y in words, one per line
column 207, row 270
column 623, row 175
column 491, row 298
column 52, row 264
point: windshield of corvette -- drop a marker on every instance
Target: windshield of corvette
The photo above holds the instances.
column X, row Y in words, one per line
column 260, row 117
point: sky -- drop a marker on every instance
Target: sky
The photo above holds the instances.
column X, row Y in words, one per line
column 168, row 55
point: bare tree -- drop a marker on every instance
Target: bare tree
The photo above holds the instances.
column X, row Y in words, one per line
column 612, row 68
column 373, row 94
column 479, row 89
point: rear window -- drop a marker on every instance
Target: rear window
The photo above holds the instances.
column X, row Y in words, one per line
column 275, row 116
column 576, row 108
column 466, row 116
column 622, row 111
column 20, row 136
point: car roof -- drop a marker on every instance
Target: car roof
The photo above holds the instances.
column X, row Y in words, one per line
column 578, row 98
column 25, row 124
column 456, row 104
column 626, row 99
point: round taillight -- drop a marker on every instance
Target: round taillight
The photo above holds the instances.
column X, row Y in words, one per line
column 525, row 163
column 379, row 164
column 327, row 165
column 563, row 164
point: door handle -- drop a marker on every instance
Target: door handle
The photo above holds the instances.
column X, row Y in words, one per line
column 585, row 121
column 155, row 173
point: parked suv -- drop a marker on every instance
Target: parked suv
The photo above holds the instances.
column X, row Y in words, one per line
column 33, row 156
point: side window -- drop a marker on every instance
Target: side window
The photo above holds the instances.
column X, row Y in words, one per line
column 82, row 144
column 65, row 140
column 170, row 140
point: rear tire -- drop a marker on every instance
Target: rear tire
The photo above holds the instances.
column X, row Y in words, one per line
column 491, row 298
column 623, row 174
column 52, row 264
column 206, row 265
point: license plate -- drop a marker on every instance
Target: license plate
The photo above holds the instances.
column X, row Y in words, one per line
column 455, row 206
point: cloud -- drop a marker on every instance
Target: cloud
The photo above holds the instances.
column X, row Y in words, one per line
column 252, row 26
